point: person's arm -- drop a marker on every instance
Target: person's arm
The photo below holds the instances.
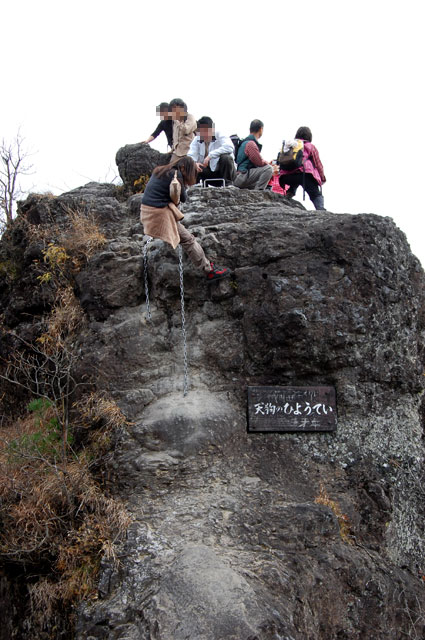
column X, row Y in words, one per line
column 194, row 149
column 195, row 152
column 189, row 125
column 317, row 163
column 225, row 146
column 156, row 133
column 254, row 155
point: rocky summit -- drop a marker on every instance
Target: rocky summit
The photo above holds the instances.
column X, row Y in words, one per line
column 255, row 536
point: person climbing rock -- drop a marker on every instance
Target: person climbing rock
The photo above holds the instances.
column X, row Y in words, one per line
column 161, row 217
column 310, row 174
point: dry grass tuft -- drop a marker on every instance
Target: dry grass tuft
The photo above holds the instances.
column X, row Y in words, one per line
column 83, row 239
column 96, row 407
column 64, row 319
column 343, row 520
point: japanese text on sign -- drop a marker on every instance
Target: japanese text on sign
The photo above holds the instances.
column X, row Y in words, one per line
column 291, row 409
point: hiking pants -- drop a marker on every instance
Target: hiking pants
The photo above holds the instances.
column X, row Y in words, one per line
column 193, row 249
column 295, row 180
column 225, row 169
column 257, row 178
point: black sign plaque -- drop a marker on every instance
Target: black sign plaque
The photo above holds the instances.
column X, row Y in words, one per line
column 291, row 409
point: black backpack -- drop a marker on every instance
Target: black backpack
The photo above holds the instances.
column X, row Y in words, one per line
column 237, row 141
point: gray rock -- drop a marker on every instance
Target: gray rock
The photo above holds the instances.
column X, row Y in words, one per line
column 136, row 160
column 231, row 538
column 314, row 298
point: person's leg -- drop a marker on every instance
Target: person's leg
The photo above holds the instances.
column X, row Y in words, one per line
column 197, row 256
column 314, row 192
column 240, row 180
column 319, row 203
column 175, row 158
column 205, row 174
column 226, row 168
column 259, row 177
column 293, row 181
column 193, row 249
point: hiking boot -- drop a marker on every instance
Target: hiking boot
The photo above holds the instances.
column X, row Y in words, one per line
column 319, row 203
column 217, row 272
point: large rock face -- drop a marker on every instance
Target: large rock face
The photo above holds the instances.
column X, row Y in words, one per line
column 241, row 536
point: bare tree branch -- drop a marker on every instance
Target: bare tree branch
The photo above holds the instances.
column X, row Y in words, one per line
column 13, row 164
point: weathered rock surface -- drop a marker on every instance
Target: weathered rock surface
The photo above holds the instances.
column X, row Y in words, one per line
column 136, row 160
column 228, row 542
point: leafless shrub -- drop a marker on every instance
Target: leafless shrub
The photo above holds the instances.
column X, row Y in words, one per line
column 14, row 163
column 415, row 613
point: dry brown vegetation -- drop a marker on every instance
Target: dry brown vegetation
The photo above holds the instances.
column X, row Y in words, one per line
column 74, row 243
column 65, row 318
column 343, row 520
column 55, row 510
column 83, row 238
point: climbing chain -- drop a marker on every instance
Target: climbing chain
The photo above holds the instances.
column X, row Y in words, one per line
column 145, row 265
column 185, row 365
column 148, row 308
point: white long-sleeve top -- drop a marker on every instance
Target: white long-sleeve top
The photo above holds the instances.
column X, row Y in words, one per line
column 219, row 145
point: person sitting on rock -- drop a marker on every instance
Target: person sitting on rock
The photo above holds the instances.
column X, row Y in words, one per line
column 213, row 153
column 166, row 124
column 161, row 217
column 253, row 171
column 310, row 175
column 184, row 127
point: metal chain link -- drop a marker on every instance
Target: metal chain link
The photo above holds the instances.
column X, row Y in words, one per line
column 148, row 308
column 185, row 363
column 145, row 266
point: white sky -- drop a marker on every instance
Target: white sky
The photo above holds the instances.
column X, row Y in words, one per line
column 82, row 79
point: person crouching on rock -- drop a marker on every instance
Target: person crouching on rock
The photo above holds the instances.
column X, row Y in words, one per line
column 161, row 217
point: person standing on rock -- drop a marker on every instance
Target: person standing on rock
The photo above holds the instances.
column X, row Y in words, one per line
column 184, row 127
column 161, row 217
column 213, row 153
column 310, row 175
column 166, row 124
column 253, row 171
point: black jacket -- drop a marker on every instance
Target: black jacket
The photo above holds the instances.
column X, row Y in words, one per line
column 157, row 192
column 167, row 127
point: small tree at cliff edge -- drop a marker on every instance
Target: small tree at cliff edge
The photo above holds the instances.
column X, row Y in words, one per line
column 14, row 163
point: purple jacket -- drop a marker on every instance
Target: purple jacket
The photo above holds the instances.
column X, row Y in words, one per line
column 312, row 164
